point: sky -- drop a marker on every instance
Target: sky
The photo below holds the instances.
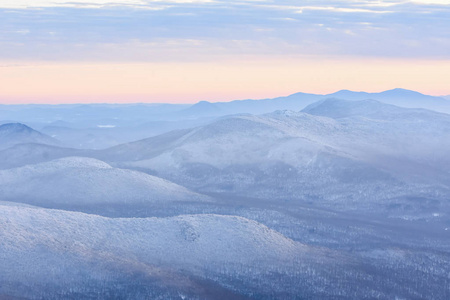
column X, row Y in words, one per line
column 184, row 51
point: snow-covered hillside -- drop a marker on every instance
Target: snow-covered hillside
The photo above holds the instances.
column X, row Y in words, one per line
column 77, row 182
column 335, row 149
column 372, row 109
column 53, row 254
column 371, row 129
column 227, row 141
column 346, row 128
column 62, row 251
column 183, row 240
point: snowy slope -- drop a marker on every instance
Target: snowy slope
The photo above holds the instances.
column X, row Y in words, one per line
column 15, row 133
column 294, row 138
column 338, row 108
column 348, row 129
column 377, row 128
column 42, row 250
column 356, row 149
column 190, row 239
column 278, row 156
column 233, row 140
column 82, row 182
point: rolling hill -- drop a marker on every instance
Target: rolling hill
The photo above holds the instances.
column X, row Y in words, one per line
column 72, row 254
column 86, row 184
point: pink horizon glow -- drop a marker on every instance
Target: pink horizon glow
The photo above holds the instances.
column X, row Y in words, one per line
column 55, row 83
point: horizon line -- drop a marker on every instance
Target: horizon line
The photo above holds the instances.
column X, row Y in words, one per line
column 220, row 101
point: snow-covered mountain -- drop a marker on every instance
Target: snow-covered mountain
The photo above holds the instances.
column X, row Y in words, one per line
column 53, row 254
column 398, row 97
column 337, row 108
column 16, row 133
column 87, row 184
column 374, row 127
column 49, row 252
column 391, row 125
column 229, row 141
column 355, row 149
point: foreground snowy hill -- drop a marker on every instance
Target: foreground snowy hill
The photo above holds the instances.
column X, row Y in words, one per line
column 63, row 251
column 85, row 184
column 15, row 133
column 52, row 254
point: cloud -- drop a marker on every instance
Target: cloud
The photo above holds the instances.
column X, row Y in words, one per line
column 342, row 9
column 182, row 30
column 144, row 4
column 337, row 5
column 441, row 2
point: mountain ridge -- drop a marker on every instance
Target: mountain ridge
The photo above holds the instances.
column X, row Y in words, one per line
column 297, row 101
column 12, row 134
column 83, row 184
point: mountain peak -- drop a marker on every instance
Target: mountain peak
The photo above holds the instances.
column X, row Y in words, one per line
column 349, row 95
column 202, row 108
column 15, row 128
column 204, row 104
column 345, row 91
column 17, row 133
column 400, row 91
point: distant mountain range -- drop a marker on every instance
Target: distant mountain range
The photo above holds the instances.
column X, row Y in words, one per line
column 298, row 101
column 97, row 126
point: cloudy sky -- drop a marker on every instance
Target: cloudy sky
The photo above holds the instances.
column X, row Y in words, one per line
column 55, row 51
